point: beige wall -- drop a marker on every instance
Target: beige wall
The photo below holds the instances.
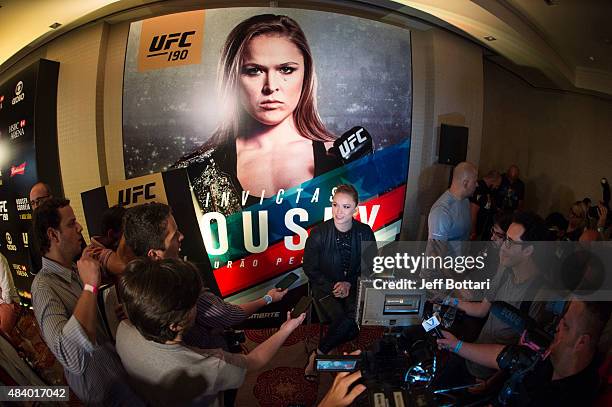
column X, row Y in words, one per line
column 79, row 115
column 562, row 142
column 88, row 106
column 78, row 118
column 113, row 93
column 447, row 88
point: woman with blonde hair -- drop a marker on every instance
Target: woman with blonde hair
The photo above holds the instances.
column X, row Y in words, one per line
column 577, row 221
column 336, row 254
column 267, row 86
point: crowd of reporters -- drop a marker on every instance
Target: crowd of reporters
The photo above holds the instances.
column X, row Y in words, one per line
column 165, row 343
column 531, row 258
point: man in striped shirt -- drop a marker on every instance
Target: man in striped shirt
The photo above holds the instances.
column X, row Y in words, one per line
column 151, row 231
column 65, row 306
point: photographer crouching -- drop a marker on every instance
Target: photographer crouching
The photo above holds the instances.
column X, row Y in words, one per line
column 564, row 375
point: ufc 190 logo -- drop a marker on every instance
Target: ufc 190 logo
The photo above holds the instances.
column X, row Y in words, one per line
column 171, row 40
column 161, row 44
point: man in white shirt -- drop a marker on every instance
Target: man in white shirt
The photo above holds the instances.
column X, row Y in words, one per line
column 160, row 300
column 9, row 299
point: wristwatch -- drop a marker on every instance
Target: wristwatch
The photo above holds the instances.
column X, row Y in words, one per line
column 268, row 299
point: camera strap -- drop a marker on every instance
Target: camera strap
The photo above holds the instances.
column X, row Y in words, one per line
column 532, row 290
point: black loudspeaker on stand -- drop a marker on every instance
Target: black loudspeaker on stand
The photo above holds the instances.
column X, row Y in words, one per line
column 452, row 148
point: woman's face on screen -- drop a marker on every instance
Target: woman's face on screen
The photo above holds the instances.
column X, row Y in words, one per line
column 271, row 78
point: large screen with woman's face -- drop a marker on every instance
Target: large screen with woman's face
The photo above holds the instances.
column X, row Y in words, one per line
column 269, row 109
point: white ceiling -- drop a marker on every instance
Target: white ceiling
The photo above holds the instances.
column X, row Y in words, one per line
column 567, row 45
column 580, row 30
column 549, row 46
column 23, row 21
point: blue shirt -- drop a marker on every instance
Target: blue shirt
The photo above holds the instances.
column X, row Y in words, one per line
column 449, row 219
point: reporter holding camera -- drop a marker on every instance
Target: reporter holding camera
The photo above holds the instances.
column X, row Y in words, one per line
column 596, row 228
column 569, row 376
column 589, row 222
column 600, row 214
column 518, row 280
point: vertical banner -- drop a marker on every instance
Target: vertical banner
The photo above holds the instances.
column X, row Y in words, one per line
column 28, row 153
column 283, row 105
column 171, row 188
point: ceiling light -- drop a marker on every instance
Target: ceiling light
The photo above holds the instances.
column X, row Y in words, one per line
column 54, row 25
column 490, row 38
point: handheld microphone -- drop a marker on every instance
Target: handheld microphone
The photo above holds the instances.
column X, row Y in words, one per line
column 432, row 324
column 353, row 145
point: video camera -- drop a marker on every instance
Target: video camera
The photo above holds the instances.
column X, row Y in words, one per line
column 399, row 369
column 519, row 360
column 394, row 373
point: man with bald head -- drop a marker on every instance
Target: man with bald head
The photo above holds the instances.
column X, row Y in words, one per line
column 569, row 377
column 450, row 223
column 450, row 217
column 511, row 192
column 39, row 193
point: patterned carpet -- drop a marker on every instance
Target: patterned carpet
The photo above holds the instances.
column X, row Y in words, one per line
column 29, row 344
column 31, row 347
column 282, row 383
